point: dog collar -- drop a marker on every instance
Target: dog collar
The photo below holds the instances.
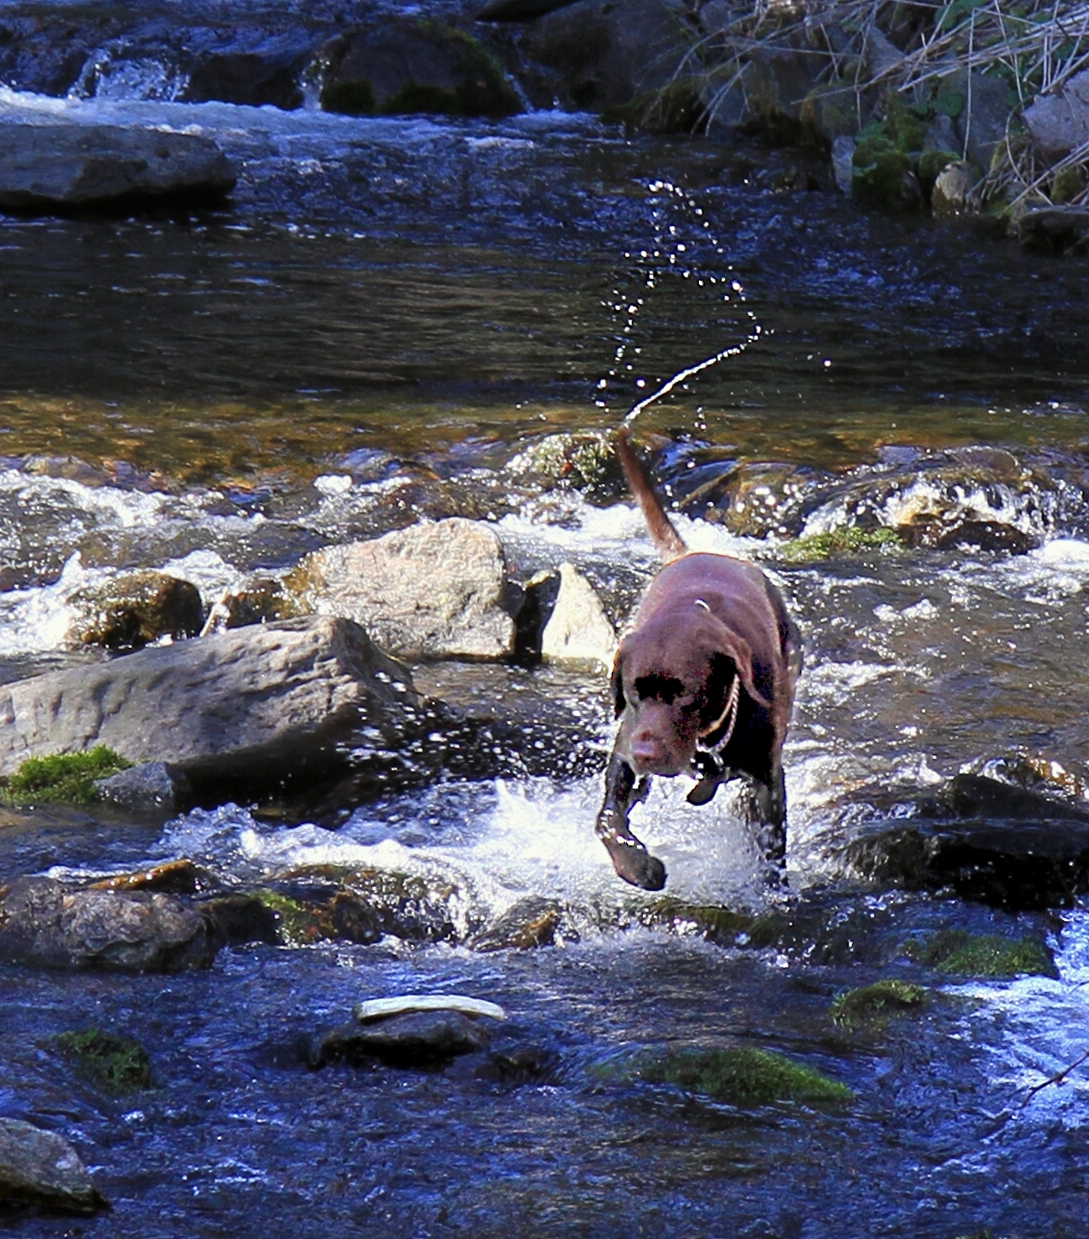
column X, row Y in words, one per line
column 727, row 719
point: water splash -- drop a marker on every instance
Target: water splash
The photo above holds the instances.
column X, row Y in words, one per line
column 682, row 230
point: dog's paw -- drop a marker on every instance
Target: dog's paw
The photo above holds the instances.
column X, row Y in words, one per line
column 636, row 865
column 703, row 792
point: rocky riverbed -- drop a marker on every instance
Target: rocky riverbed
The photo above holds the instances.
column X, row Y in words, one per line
column 407, row 341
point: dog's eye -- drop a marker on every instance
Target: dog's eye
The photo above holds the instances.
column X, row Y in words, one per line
column 664, row 688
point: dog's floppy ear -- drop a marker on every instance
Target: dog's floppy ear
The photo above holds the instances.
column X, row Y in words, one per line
column 619, row 700
column 738, row 650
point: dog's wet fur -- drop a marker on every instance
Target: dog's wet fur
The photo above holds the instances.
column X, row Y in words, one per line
column 703, row 685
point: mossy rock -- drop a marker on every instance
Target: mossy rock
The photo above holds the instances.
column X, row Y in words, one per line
column 875, row 1003
column 677, row 108
column 932, row 164
column 905, row 124
column 847, row 540
column 129, row 612
column 742, row 1076
column 710, row 921
column 116, row 1064
column 418, row 66
column 338, row 901
column 1068, row 184
column 583, row 461
column 64, row 778
column 984, row 955
column 828, row 112
column 303, row 918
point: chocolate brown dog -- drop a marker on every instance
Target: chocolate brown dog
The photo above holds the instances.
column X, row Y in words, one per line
column 703, row 684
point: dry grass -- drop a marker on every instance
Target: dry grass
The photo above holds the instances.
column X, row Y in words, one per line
column 867, row 47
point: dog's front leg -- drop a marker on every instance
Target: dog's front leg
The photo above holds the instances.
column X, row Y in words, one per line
column 769, row 815
column 630, row 858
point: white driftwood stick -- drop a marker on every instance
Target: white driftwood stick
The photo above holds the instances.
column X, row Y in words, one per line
column 383, row 1008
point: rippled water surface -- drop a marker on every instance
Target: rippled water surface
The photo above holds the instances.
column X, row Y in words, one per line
column 384, row 315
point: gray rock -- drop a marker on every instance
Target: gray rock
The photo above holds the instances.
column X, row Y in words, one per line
column 249, row 708
column 604, row 54
column 72, row 166
column 1054, row 229
column 1058, row 123
column 257, row 71
column 419, row 1039
column 41, row 1168
column 406, row 65
column 430, row 591
column 988, row 840
column 578, row 630
column 46, row 925
column 952, row 192
column 154, row 785
column 843, row 153
column 981, row 125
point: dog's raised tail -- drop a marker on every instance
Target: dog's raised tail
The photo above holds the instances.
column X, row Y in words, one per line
column 669, row 542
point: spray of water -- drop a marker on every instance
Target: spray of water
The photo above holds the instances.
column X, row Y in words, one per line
column 681, row 231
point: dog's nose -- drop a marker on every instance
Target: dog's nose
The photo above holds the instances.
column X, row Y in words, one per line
column 645, row 750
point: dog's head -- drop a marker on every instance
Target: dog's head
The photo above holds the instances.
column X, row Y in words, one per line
column 672, row 688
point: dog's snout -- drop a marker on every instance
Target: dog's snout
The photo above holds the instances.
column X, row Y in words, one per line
column 646, row 750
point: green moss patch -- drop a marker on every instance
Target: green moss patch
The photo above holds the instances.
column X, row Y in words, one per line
column 984, row 955
column 877, row 1002
column 743, row 1076
column 66, row 778
column 711, row 921
column 847, row 540
column 114, row 1063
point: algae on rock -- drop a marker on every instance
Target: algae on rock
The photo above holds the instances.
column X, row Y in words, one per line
column 743, row 1076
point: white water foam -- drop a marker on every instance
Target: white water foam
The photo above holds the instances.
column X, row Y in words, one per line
column 500, row 842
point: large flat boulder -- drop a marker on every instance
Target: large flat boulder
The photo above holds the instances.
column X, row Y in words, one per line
column 71, row 167
column 253, row 707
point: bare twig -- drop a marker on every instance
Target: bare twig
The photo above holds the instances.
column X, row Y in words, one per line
column 1057, row 1078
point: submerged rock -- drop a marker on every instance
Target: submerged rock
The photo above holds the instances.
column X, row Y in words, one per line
column 436, row 590
column 876, row 1003
column 116, row 1064
column 46, row 925
column 984, row 955
column 742, row 1076
column 331, row 901
column 239, row 713
column 531, row 922
column 131, row 611
column 1054, row 229
column 50, row 166
column 581, row 461
column 254, row 71
column 41, row 1168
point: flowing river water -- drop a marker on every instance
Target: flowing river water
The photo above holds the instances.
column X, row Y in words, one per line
column 383, row 319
